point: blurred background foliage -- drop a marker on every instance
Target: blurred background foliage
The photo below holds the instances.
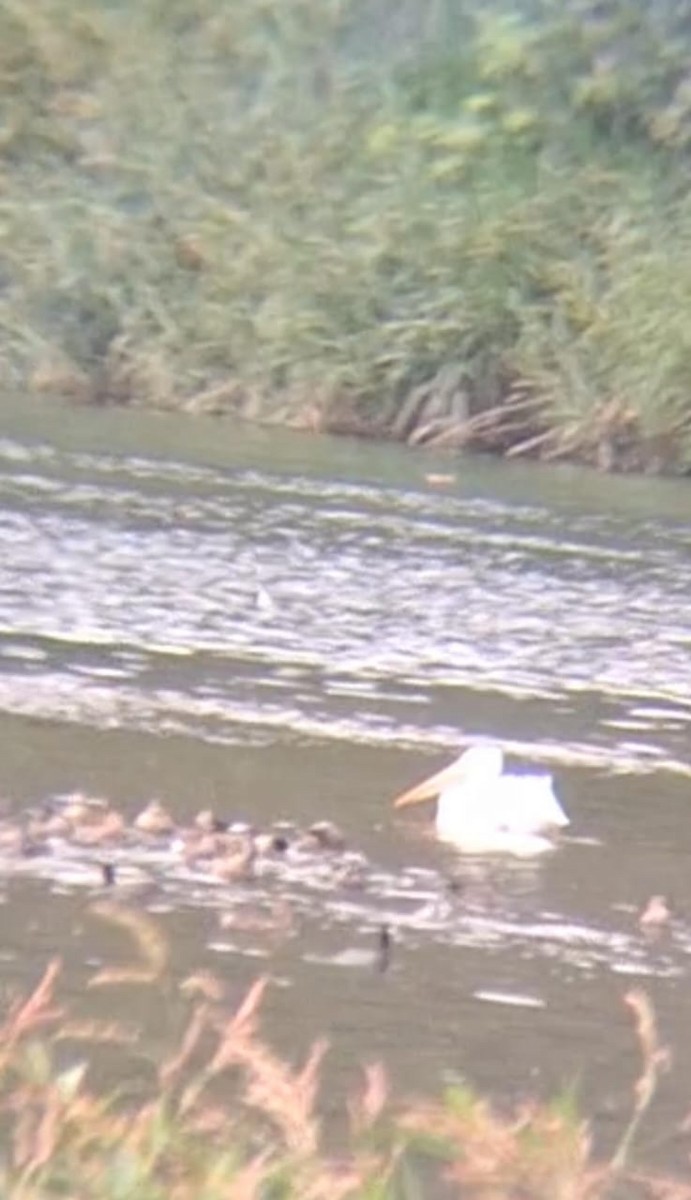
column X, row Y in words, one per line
column 453, row 223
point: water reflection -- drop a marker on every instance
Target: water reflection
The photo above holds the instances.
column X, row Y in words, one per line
column 287, row 629
column 403, row 599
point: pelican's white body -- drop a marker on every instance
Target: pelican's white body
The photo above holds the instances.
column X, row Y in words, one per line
column 482, row 810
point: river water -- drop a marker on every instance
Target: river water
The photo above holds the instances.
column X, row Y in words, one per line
column 286, row 627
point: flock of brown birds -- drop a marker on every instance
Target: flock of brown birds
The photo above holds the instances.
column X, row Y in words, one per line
column 227, row 852
column 93, row 830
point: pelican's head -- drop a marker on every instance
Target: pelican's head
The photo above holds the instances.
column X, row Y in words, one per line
column 477, row 766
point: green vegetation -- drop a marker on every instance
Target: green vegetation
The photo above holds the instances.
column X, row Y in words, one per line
column 222, row 1117
column 449, row 222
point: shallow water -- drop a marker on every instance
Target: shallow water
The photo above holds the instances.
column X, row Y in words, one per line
column 283, row 627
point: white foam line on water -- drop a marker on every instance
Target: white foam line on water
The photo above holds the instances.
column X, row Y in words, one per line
column 512, row 998
column 168, row 711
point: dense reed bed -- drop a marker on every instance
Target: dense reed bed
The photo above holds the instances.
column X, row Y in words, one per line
column 453, row 224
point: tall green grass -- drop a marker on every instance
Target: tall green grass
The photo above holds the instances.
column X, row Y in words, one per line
column 452, row 223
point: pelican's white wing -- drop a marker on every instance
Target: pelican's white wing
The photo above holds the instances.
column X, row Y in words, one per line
column 482, row 810
column 527, row 804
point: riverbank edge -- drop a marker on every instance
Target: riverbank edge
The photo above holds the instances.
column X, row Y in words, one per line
column 474, row 236
column 431, row 418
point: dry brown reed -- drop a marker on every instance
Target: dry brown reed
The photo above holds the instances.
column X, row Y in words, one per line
column 226, row 1118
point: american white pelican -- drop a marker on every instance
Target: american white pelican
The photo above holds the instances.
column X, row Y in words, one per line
column 483, row 811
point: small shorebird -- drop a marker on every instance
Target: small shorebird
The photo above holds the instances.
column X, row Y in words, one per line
column 155, row 820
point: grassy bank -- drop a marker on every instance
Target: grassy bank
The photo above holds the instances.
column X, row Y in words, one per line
column 448, row 223
column 222, row 1117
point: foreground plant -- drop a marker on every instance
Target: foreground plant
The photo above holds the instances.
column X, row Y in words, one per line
column 227, row 1119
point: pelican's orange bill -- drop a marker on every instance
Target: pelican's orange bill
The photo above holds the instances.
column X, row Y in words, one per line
column 431, row 786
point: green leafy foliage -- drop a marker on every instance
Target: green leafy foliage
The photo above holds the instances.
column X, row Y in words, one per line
column 322, row 211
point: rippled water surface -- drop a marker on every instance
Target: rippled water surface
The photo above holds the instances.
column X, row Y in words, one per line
column 290, row 628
